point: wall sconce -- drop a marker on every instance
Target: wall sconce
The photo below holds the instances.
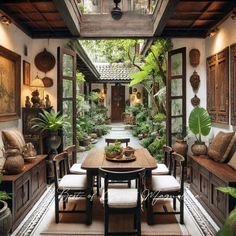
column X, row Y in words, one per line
column 233, row 16
column 213, row 32
column 5, row 20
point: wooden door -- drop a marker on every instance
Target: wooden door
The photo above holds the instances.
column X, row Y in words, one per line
column 176, row 94
column 66, row 92
column 117, row 102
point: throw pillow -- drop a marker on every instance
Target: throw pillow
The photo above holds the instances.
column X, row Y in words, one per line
column 13, row 139
column 232, row 162
column 217, row 150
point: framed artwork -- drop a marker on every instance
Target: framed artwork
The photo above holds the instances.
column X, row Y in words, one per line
column 10, row 88
column 26, row 73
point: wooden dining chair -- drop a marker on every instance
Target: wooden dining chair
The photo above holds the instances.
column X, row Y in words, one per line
column 164, row 168
column 121, row 140
column 70, row 185
column 167, row 186
column 122, row 200
column 73, row 166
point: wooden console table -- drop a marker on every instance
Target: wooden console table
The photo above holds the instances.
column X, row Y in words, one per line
column 206, row 176
column 25, row 188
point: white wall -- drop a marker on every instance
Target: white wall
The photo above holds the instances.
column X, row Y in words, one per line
column 191, row 43
column 224, row 38
column 15, row 40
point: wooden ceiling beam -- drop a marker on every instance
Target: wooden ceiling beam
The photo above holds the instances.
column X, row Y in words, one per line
column 129, row 26
column 69, row 11
column 163, row 11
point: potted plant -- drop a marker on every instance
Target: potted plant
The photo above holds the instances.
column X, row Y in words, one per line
column 199, row 124
column 114, row 150
column 180, row 146
column 50, row 123
column 5, row 214
column 229, row 227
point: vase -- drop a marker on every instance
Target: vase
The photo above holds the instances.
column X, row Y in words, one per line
column 180, row 146
column 54, row 141
column 199, row 148
column 14, row 162
column 5, row 219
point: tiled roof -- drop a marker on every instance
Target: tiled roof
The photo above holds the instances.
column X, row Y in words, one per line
column 114, row 71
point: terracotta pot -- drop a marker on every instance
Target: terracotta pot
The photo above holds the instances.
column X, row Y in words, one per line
column 5, row 219
column 14, row 162
column 180, row 146
column 199, row 148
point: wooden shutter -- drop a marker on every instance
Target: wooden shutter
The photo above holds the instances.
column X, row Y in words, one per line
column 233, row 83
column 211, row 81
column 218, row 87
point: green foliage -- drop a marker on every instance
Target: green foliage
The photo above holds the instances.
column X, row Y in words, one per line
column 3, row 194
column 80, row 77
column 147, row 141
column 156, row 145
column 49, row 121
column 227, row 230
column 159, row 117
column 199, row 122
column 118, row 50
column 114, row 148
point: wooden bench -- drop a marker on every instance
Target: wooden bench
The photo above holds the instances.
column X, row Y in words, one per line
column 206, row 176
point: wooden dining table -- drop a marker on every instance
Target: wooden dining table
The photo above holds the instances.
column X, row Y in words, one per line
column 96, row 159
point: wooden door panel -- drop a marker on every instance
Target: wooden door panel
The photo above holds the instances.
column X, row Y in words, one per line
column 218, row 86
column 117, row 102
column 233, row 83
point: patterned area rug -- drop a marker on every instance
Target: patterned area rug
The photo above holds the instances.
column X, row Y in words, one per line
column 36, row 215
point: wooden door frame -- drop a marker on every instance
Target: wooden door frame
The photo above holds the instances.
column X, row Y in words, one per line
column 168, row 93
column 60, row 52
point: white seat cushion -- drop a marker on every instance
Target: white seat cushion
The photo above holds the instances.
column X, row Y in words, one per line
column 165, row 183
column 76, row 169
column 73, row 182
column 161, row 170
column 121, row 198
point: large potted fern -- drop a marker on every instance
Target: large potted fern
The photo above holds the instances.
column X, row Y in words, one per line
column 200, row 125
column 50, row 123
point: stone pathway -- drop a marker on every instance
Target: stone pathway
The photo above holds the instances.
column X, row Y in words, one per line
column 118, row 130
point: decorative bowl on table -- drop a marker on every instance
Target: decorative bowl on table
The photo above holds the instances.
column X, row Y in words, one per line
column 112, row 155
column 128, row 151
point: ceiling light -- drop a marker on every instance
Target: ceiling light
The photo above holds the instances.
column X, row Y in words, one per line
column 116, row 11
column 5, row 20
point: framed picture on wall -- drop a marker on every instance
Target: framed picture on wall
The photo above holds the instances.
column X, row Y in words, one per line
column 26, row 73
column 10, row 81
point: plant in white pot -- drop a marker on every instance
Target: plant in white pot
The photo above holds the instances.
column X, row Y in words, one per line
column 5, row 213
column 200, row 125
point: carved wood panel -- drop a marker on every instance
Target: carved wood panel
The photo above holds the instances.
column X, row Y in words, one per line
column 233, row 83
column 218, row 86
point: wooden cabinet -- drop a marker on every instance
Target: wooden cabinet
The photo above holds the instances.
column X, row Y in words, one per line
column 206, row 176
column 218, row 86
column 25, row 188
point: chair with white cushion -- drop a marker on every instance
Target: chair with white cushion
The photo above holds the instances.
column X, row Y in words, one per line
column 122, row 200
column 70, row 185
column 167, row 186
column 164, row 168
column 74, row 168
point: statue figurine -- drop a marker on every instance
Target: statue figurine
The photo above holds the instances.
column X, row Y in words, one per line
column 27, row 102
column 35, row 99
column 47, row 101
column 42, row 105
